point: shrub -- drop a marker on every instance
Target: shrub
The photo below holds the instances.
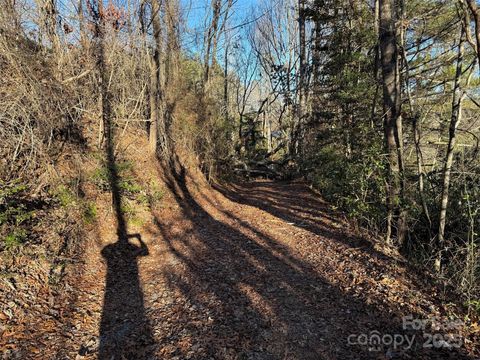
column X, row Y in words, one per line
column 89, row 212
column 155, row 193
column 16, row 238
column 65, row 196
column 14, row 213
column 127, row 209
column 353, row 185
column 474, row 306
column 101, row 177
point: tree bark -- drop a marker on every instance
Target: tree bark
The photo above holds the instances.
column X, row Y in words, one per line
column 173, row 41
column 316, row 69
column 157, row 136
column 302, row 55
column 415, row 117
column 391, row 107
column 210, row 40
column 472, row 5
column 50, row 21
column 402, row 209
column 225, row 72
column 81, row 23
column 454, row 121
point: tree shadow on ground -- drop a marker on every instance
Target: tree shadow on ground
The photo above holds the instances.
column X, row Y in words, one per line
column 306, row 210
column 250, row 298
column 301, row 210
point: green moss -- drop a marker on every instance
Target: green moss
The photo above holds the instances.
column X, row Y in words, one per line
column 101, row 177
column 136, row 221
column 9, row 191
column 474, row 305
column 89, row 212
column 16, row 238
column 65, row 196
column 129, row 186
column 15, row 214
column 143, row 199
column 155, row 193
column 13, row 208
column 127, row 209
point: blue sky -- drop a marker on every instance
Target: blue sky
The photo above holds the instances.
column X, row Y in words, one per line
column 196, row 12
column 198, row 9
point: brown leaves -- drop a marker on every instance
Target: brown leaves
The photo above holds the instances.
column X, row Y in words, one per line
column 225, row 280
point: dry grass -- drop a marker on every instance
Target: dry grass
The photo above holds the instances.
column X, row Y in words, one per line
column 35, row 107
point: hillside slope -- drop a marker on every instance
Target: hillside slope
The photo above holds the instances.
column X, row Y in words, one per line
column 260, row 270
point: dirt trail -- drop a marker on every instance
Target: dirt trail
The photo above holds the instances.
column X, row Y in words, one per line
column 256, row 271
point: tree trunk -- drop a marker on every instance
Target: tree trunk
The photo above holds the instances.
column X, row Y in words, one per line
column 171, row 63
column 210, row 40
column 101, row 68
column 157, row 134
column 454, row 121
column 302, row 55
column 106, row 113
column 50, row 21
column 391, row 107
column 472, row 4
column 415, row 116
column 402, row 210
column 81, row 23
column 173, row 42
column 420, row 171
column 316, row 68
column 225, row 80
column 225, row 72
column 376, row 64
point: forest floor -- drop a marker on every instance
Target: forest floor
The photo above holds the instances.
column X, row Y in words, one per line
column 258, row 270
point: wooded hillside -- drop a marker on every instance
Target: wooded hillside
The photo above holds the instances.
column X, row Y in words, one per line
column 138, row 136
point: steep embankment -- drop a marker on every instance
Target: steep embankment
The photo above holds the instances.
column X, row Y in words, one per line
column 261, row 270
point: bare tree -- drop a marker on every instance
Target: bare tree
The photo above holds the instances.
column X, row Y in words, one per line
column 157, row 136
column 49, row 12
column 392, row 116
column 302, row 70
column 457, row 98
column 211, row 37
column 475, row 11
column 173, row 40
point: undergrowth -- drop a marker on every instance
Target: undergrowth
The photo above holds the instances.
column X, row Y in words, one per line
column 16, row 214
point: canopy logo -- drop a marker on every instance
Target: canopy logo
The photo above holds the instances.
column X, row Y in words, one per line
column 375, row 341
column 436, row 333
